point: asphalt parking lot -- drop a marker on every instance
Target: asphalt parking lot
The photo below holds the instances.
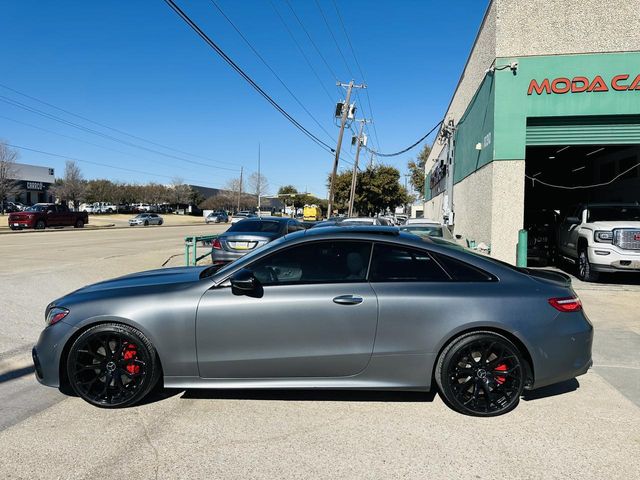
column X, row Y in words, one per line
column 588, row 428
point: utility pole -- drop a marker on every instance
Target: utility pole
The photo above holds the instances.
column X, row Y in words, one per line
column 240, row 189
column 259, row 180
column 354, row 176
column 343, row 120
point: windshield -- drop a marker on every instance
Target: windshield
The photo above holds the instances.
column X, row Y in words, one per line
column 36, row 208
column 255, row 226
column 424, row 230
column 614, row 213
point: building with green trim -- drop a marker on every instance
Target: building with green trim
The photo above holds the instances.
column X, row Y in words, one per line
column 549, row 100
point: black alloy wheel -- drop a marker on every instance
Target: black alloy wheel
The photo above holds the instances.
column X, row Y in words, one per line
column 481, row 374
column 40, row 225
column 112, row 365
column 160, row 222
column 585, row 272
column 79, row 223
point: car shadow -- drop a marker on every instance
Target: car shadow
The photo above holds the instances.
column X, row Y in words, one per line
column 310, row 395
column 551, row 390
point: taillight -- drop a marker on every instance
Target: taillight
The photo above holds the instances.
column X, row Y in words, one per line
column 566, row 304
column 55, row 314
column 216, row 244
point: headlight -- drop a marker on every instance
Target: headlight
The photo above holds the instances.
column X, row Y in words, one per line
column 603, row 236
column 55, row 314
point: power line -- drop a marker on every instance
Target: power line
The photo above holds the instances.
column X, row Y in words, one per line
column 122, row 132
column 409, row 147
column 253, row 49
column 243, row 74
column 335, row 41
column 311, row 40
column 353, row 52
column 91, row 143
column 304, row 55
column 131, row 170
column 50, row 116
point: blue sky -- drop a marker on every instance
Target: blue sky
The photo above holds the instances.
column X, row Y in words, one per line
column 136, row 67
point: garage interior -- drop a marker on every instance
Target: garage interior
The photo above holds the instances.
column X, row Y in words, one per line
column 570, row 166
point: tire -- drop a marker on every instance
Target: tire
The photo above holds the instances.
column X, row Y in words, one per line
column 146, row 223
column 160, row 222
column 79, row 223
column 13, row 228
column 481, row 374
column 585, row 271
column 112, row 366
column 40, row 225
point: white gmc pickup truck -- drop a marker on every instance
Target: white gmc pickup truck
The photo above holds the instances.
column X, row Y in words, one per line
column 601, row 237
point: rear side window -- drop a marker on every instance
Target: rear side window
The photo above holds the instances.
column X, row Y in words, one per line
column 461, row 271
column 394, row 263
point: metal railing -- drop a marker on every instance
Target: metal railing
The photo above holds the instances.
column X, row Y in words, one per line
column 191, row 257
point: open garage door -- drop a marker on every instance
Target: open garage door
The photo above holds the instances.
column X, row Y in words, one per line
column 584, row 130
column 553, row 172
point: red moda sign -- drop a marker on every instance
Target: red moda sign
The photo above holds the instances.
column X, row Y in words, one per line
column 622, row 82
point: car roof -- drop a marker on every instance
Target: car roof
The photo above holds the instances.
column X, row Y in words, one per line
column 270, row 219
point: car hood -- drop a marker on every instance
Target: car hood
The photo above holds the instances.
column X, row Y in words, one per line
column 610, row 225
column 160, row 276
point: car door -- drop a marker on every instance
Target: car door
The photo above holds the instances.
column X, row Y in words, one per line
column 568, row 236
column 317, row 316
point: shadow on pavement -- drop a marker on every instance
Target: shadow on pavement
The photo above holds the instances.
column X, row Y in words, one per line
column 310, row 395
column 552, row 390
column 17, row 373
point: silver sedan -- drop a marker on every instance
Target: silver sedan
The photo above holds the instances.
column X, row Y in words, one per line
column 146, row 219
column 337, row 308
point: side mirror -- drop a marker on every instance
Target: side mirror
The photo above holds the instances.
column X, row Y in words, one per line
column 243, row 282
column 573, row 220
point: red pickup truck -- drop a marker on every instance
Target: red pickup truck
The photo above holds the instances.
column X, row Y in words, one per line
column 43, row 215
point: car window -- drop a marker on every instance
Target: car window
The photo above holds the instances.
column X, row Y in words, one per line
column 394, row 263
column 317, row 262
column 462, row 271
column 255, row 226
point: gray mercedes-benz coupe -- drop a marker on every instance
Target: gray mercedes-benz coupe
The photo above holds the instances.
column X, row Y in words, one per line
column 335, row 308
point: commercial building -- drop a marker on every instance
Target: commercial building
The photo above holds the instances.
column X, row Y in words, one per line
column 32, row 184
column 550, row 95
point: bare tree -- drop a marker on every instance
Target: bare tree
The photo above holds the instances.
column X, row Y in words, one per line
column 180, row 192
column 8, row 182
column 72, row 186
column 258, row 184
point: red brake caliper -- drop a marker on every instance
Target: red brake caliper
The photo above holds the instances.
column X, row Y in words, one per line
column 501, row 368
column 131, row 353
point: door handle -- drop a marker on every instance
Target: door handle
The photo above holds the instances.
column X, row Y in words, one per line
column 347, row 300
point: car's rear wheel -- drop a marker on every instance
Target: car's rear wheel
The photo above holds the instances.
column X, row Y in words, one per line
column 79, row 223
column 146, row 223
column 160, row 222
column 481, row 374
column 40, row 225
column 112, row 365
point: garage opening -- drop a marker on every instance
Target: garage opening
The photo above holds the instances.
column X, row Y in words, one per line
column 571, row 166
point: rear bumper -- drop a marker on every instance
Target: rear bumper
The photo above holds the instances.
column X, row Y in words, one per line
column 564, row 350
column 611, row 259
column 223, row 256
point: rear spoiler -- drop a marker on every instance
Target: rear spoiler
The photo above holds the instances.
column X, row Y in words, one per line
column 552, row 276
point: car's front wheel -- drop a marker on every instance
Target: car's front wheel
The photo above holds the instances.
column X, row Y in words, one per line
column 112, row 365
column 585, row 271
column 481, row 374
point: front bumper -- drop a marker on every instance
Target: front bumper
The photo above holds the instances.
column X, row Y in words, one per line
column 609, row 258
column 48, row 350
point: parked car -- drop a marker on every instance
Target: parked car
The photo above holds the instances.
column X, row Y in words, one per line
column 236, row 217
column 10, row 207
column 43, row 215
column 411, row 221
column 428, row 230
column 333, row 308
column 146, row 219
column 362, row 221
column 250, row 234
column 601, row 237
column 217, row 217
